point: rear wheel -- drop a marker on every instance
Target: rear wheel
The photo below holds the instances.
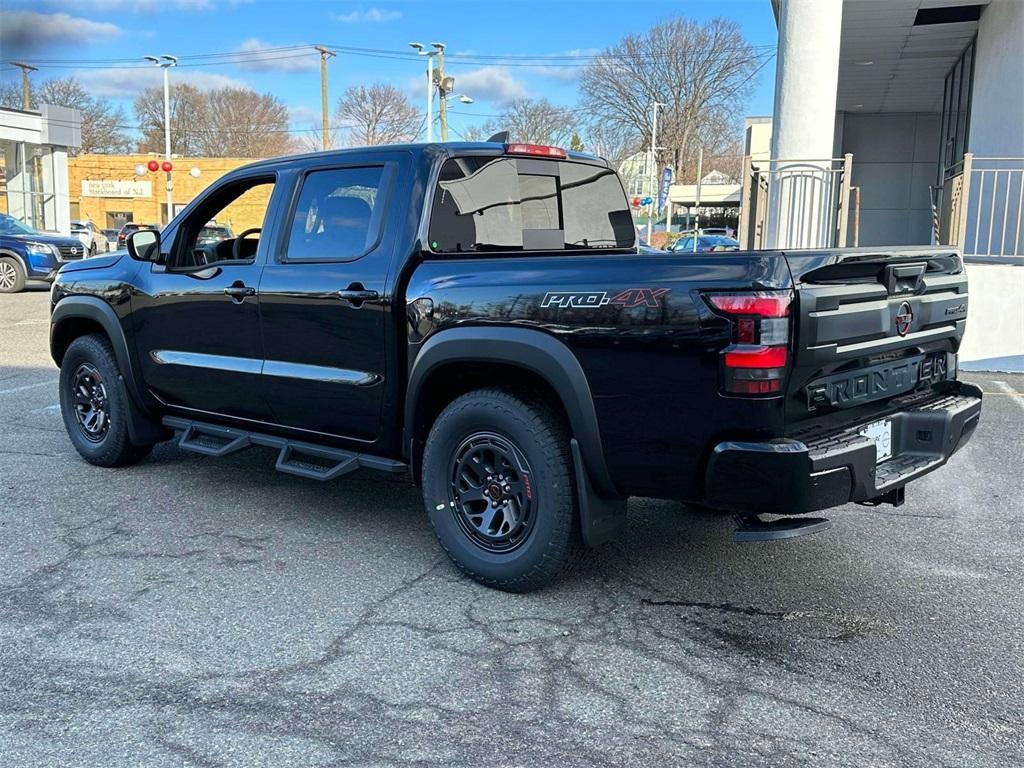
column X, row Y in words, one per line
column 497, row 484
column 94, row 405
column 12, row 275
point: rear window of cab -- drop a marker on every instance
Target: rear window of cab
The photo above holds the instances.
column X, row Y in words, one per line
column 508, row 203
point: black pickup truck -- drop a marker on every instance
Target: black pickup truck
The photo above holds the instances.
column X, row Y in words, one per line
column 480, row 318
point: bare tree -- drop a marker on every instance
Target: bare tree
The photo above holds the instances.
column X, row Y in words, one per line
column 473, row 133
column 103, row 124
column 612, row 141
column 311, row 139
column 701, row 72
column 242, row 123
column 535, row 121
column 188, row 119
column 378, row 114
column 222, row 122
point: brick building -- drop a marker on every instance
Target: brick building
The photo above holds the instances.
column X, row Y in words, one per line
column 106, row 190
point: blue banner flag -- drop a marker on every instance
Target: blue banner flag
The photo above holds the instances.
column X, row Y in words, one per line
column 666, row 182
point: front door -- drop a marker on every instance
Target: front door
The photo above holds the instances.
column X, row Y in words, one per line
column 323, row 301
column 197, row 316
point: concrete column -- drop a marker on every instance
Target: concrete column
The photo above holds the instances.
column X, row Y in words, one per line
column 803, row 124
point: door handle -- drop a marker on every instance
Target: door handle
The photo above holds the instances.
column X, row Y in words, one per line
column 355, row 295
column 238, row 291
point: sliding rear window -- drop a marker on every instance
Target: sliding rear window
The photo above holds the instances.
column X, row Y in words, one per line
column 526, row 204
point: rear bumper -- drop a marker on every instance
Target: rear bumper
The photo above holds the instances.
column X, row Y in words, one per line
column 793, row 476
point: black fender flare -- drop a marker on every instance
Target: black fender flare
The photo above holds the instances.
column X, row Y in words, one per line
column 534, row 351
column 141, row 429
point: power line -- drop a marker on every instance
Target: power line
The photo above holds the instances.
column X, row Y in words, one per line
column 258, row 56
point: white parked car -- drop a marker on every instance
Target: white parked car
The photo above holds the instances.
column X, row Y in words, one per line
column 92, row 239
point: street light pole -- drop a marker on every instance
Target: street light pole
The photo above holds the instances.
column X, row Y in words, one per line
column 418, row 47
column 165, row 62
column 654, row 169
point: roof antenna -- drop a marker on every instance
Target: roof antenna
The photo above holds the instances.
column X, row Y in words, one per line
column 501, row 137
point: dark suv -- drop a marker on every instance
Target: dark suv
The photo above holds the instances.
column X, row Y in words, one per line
column 28, row 254
column 478, row 318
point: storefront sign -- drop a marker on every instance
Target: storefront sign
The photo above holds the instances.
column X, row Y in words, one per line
column 116, row 188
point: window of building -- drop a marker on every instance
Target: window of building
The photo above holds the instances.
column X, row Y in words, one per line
column 117, row 219
column 956, row 111
column 339, row 214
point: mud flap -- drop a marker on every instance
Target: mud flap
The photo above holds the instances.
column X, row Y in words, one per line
column 601, row 519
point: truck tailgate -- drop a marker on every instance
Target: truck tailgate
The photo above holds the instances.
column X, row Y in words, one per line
column 872, row 325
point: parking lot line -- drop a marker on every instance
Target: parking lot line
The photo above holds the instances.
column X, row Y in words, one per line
column 28, row 386
column 1018, row 398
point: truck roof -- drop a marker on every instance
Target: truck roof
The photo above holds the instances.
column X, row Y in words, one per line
column 422, row 148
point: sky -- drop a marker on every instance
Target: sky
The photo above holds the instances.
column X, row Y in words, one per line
column 81, row 38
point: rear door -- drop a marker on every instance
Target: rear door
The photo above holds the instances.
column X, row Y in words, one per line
column 324, row 298
column 872, row 326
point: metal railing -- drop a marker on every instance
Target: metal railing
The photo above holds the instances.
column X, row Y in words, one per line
column 982, row 207
column 799, row 203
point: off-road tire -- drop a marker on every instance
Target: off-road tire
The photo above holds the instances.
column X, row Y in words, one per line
column 111, row 447
column 553, row 542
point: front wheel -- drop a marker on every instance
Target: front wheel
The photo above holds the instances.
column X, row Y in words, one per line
column 12, row 275
column 94, row 404
column 497, row 484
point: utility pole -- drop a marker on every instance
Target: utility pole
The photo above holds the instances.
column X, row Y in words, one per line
column 324, row 55
column 654, row 169
column 442, row 92
column 165, row 62
column 26, row 92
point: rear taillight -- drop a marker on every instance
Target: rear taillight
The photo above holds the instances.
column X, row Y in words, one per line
column 755, row 363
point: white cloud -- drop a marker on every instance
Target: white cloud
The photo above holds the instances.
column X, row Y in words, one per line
column 495, row 84
column 304, row 115
column 139, row 6
column 262, row 57
column 127, row 83
column 372, row 15
column 29, row 30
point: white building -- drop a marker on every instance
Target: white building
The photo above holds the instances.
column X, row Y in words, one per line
column 898, row 123
column 34, row 147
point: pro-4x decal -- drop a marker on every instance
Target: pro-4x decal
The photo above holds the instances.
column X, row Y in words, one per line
column 631, row 297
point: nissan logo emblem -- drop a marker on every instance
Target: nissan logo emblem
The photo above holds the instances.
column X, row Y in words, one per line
column 904, row 317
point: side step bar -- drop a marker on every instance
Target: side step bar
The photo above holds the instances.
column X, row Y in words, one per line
column 753, row 528
column 315, row 462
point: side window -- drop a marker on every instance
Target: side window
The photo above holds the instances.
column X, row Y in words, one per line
column 339, row 213
column 225, row 228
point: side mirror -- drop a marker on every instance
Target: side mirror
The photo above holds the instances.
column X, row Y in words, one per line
column 144, row 245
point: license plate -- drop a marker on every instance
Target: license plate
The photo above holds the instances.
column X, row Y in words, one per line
column 881, row 433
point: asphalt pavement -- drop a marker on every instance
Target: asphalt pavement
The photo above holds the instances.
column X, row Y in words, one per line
column 212, row 612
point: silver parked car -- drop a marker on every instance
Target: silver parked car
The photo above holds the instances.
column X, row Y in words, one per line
column 93, row 240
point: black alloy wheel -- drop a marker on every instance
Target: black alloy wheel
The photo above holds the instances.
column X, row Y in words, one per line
column 91, row 401
column 95, row 407
column 491, row 492
column 498, row 487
